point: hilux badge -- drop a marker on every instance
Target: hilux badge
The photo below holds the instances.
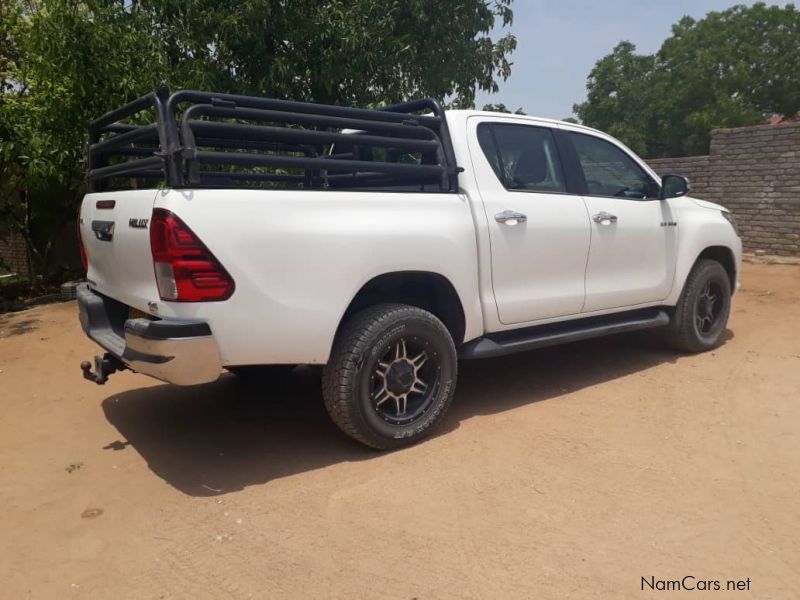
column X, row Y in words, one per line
column 138, row 223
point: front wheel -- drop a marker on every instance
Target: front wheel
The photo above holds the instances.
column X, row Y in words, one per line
column 391, row 375
column 702, row 311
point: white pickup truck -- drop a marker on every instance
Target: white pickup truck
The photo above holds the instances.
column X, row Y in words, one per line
column 234, row 232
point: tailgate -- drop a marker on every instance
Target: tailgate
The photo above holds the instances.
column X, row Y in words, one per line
column 115, row 227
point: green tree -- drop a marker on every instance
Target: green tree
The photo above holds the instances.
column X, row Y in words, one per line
column 731, row 68
column 619, row 97
column 501, row 108
column 63, row 62
column 356, row 52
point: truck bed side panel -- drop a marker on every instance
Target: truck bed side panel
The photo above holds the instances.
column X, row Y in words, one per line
column 299, row 257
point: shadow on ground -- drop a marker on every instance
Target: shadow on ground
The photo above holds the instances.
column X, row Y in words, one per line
column 222, row 437
column 18, row 328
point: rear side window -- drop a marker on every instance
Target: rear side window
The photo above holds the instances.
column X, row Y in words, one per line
column 609, row 171
column 523, row 157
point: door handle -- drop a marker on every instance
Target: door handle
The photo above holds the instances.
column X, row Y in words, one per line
column 103, row 230
column 510, row 217
column 604, row 218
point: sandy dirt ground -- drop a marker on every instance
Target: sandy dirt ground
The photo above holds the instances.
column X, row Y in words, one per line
column 571, row 472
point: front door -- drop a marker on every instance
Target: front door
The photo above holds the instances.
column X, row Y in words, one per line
column 539, row 233
column 634, row 234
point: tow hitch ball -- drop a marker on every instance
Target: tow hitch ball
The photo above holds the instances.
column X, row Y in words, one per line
column 103, row 367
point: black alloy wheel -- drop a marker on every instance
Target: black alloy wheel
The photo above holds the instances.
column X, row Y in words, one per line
column 701, row 315
column 391, row 375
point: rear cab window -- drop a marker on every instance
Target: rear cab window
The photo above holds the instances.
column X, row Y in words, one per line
column 524, row 157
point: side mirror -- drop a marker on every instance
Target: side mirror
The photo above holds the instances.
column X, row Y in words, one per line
column 674, row 186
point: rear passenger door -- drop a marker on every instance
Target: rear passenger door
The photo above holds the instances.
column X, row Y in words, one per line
column 539, row 233
column 634, row 234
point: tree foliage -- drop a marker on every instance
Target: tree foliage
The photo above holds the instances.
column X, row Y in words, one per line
column 731, row 68
column 502, row 108
column 356, row 52
column 60, row 64
column 63, row 62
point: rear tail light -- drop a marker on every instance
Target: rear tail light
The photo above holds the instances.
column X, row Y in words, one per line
column 185, row 269
column 84, row 258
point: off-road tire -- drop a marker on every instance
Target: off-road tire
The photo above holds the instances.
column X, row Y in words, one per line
column 360, row 347
column 683, row 332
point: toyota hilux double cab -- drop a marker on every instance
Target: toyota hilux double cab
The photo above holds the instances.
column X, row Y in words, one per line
column 224, row 232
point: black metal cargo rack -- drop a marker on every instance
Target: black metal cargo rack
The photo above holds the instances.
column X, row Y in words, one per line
column 206, row 139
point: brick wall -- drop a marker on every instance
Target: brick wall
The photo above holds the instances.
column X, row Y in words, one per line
column 755, row 172
column 13, row 254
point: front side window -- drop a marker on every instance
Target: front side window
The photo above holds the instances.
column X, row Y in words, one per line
column 522, row 156
column 609, row 171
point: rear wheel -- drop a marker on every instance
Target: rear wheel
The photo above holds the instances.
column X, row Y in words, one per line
column 702, row 311
column 391, row 375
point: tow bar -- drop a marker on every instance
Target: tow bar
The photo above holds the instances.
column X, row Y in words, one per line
column 103, row 367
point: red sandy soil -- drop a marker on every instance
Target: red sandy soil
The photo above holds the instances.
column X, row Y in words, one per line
column 569, row 472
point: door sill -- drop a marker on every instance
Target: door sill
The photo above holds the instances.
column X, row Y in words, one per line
column 551, row 334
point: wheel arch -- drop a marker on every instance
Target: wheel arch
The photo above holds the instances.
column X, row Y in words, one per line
column 424, row 289
column 719, row 250
column 724, row 256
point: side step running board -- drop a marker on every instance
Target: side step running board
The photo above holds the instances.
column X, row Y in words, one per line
column 497, row 344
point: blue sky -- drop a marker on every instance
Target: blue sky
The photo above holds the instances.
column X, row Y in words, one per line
column 559, row 41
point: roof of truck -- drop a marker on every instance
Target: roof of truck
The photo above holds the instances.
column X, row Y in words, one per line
column 464, row 113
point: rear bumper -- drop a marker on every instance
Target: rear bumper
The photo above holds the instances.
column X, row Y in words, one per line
column 182, row 352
